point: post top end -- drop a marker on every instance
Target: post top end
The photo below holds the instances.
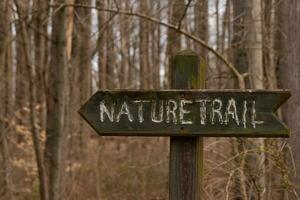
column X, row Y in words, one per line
column 186, row 52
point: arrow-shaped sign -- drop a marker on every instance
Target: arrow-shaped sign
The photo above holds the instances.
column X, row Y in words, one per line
column 209, row 113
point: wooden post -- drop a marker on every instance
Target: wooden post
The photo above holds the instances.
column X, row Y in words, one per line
column 186, row 153
column 136, row 117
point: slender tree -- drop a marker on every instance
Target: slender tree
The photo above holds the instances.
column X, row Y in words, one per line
column 71, row 102
column 6, row 96
column 56, row 101
column 83, row 39
column 176, row 14
column 269, row 29
column 111, row 61
column 254, row 46
column 144, row 48
column 40, row 36
column 102, row 38
column 201, row 25
column 248, row 58
column 31, row 71
column 156, row 47
column 22, row 86
column 125, row 46
column 240, row 62
column 289, row 72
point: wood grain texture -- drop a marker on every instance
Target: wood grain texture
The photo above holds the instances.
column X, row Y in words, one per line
column 186, row 154
column 266, row 103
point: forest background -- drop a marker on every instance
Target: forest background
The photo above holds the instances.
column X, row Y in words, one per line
column 54, row 54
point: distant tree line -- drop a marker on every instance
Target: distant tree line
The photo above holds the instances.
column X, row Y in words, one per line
column 55, row 53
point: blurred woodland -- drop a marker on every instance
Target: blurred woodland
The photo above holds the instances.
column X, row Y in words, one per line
column 54, row 54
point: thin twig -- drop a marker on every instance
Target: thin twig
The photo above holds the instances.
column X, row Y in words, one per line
column 184, row 13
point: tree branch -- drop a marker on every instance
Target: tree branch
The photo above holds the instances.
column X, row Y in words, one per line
column 184, row 13
column 240, row 77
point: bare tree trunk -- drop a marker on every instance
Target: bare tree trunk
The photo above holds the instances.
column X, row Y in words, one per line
column 71, row 97
column 133, row 71
column 225, row 46
column 144, row 48
column 255, row 60
column 102, row 59
column 273, row 178
column 83, row 38
column 241, row 63
column 56, row 101
column 269, row 28
column 176, row 11
column 201, row 26
column 5, row 165
column 125, row 47
column 254, row 44
column 156, row 48
column 6, row 94
column 22, row 86
column 31, row 71
column 289, row 73
column 113, row 81
column 249, row 59
column 218, row 65
column 40, row 34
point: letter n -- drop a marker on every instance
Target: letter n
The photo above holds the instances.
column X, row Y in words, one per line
column 105, row 111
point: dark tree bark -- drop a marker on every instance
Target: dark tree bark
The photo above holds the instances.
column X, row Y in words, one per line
column 144, row 48
column 102, row 59
column 248, row 57
column 6, row 96
column 22, row 86
column 83, row 40
column 56, row 101
column 289, row 73
column 240, row 62
column 125, row 47
column 113, row 81
column 176, row 11
column 71, row 103
column 31, row 74
column 155, row 47
column 201, row 25
column 269, row 27
column 40, row 49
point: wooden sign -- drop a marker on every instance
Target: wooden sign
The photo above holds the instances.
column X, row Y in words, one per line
column 208, row 113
